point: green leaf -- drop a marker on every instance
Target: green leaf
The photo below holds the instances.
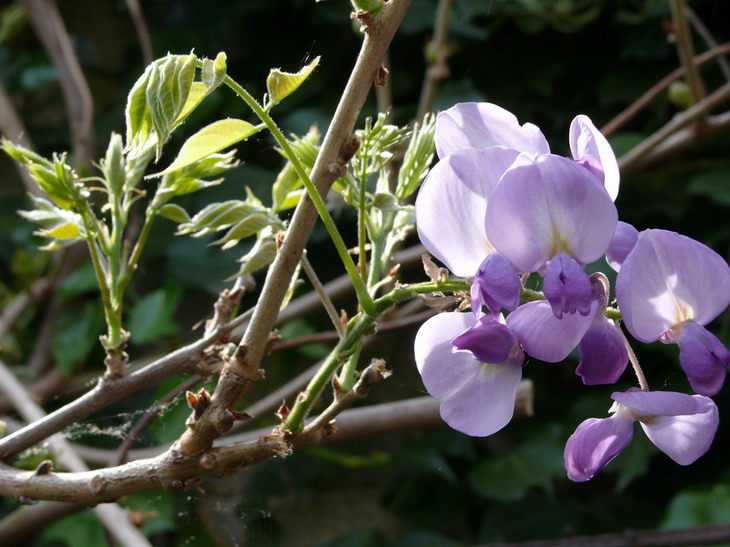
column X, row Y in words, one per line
column 282, row 84
column 261, row 254
column 74, row 333
column 113, row 166
column 152, row 317
column 81, row 280
column 713, row 184
column 248, row 226
column 209, row 140
column 418, row 157
column 54, row 177
column 156, row 101
column 698, row 507
column 61, row 226
column 81, row 530
column 214, row 71
column 198, row 92
column 63, row 231
column 286, row 190
column 174, row 212
column 509, row 477
column 386, row 202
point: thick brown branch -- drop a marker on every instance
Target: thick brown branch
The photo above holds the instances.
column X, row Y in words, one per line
column 172, row 471
column 113, row 517
column 242, row 370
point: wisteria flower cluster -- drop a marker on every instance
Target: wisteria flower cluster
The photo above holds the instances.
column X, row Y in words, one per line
column 497, row 207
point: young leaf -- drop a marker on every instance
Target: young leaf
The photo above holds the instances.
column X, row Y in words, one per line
column 156, row 101
column 261, row 254
column 287, row 189
column 55, row 178
column 417, row 158
column 198, row 92
column 282, row 84
column 175, row 213
column 61, row 226
column 214, row 71
column 209, row 140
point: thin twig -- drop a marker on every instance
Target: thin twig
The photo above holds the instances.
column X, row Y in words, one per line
column 707, row 36
column 113, row 517
column 638, row 155
column 143, row 33
column 47, row 22
column 686, row 51
column 323, row 296
column 657, row 89
column 322, row 424
column 437, row 53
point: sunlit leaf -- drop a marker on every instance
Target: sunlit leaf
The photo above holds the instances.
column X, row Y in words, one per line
column 282, row 84
column 209, row 140
column 214, row 71
column 63, row 231
column 198, row 92
column 174, row 212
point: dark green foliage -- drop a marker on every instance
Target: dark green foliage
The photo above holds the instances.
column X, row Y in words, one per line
column 545, row 61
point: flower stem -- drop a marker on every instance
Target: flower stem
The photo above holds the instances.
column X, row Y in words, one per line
column 363, row 296
column 643, row 384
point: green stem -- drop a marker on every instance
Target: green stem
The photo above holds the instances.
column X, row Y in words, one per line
column 360, row 289
column 361, row 232
column 378, row 253
column 113, row 321
column 348, row 376
column 138, row 246
column 357, row 328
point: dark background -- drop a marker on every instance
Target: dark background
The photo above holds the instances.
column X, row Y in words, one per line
column 544, row 61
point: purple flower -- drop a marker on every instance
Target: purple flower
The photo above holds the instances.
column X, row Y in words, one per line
column 483, row 125
column 669, row 287
column 603, row 356
column 452, row 203
column 623, row 240
column 559, row 209
column 591, row 149
column 474, row 370
column 682, row 426
column 549, row 214
column 496, row 284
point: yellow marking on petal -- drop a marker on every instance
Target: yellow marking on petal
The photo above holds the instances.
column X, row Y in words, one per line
column 682, row 311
